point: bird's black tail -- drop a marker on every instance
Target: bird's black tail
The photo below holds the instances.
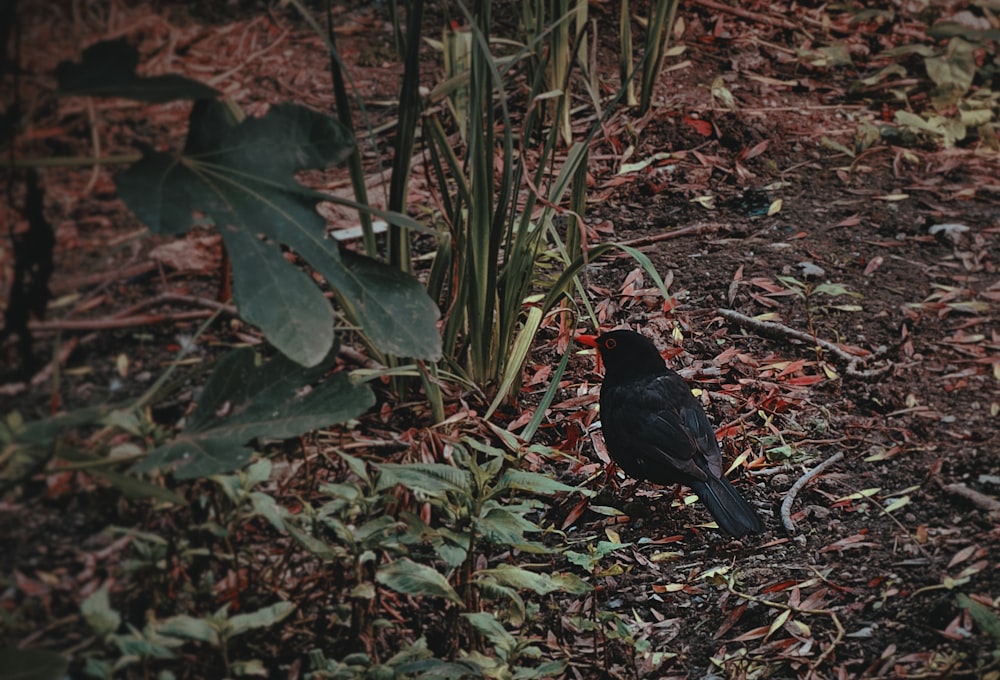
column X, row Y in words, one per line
column 731, row 511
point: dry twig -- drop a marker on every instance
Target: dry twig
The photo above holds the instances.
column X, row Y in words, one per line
column 837, row 639
column 980, row 500
column 747, row 14
column 779, row 331
column 786, row 503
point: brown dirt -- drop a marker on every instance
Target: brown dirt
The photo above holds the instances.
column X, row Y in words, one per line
column 866, row 592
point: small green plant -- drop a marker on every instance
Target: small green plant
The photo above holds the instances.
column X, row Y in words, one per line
column 160, row 640
column 366, row 526
column 816, row 295
column 961, row 102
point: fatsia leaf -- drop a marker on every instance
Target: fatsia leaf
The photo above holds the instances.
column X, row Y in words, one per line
column 243, row 401
column 108, row 70
column 241, row 175
column 411, row 578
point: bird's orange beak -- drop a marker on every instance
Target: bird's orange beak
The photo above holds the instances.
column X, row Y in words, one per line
column 590, row 341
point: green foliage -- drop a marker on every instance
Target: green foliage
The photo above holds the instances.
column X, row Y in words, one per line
column 810, row 293
column 478, row 506
column 412, row 578
column 661, row 21
column 985, row 617
column 243, row 401
column 158, row 639
column 414, row 660
column 504, row 231
column 108, row 70
column 961, row 66
column 32, row 664
column 240, row 173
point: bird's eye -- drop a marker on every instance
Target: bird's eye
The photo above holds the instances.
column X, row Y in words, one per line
column 610, row 343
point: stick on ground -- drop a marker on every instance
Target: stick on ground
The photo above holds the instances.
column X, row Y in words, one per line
column 786, row 503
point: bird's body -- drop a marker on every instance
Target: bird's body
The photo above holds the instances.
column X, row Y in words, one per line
column 656, row 430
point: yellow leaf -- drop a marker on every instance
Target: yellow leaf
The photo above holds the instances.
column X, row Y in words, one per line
column 666, row 556
column 973, row 569
column 774, row 208
column 897, row 504
column 672, row 588
column 616, row 570
column 864, row 493
column 738, row 461
column 800, row 629
column 121, row 364
column 714, row 571
column 778, row 622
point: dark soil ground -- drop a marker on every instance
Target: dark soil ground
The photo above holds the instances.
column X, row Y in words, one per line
column 885, row 539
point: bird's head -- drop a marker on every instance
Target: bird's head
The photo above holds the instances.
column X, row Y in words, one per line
column 625, row 354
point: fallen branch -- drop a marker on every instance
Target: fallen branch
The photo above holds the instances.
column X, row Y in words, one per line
column 126, row 318
column 43, row 375
column 786, row 503
column 837, row 639
column 692, row 230
column 115, row 323
column 180, row 298
column 980, row 500
column 779, row 331
column 101, row 279
column 747, row 14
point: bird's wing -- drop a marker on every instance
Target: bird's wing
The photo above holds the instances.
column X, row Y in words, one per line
column 661, row 431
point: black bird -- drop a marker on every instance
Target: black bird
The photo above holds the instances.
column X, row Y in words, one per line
column 656, row 430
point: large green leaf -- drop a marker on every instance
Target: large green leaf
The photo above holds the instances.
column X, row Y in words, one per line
column 97, row 611
column 188, row 628
column 43, row 433
column 538, row 483
column 412, row 578
column 32, row 664
column 108, row 70
column 435, row 479
column 494, row 631
column 243, row 401
column 262, row 618
column 523, row 579
column 242, row 176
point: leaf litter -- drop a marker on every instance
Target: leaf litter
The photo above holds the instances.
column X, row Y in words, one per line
column 850, row 592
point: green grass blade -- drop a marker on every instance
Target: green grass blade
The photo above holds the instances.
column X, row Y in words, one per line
column 536, row 420
column 518, row 355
